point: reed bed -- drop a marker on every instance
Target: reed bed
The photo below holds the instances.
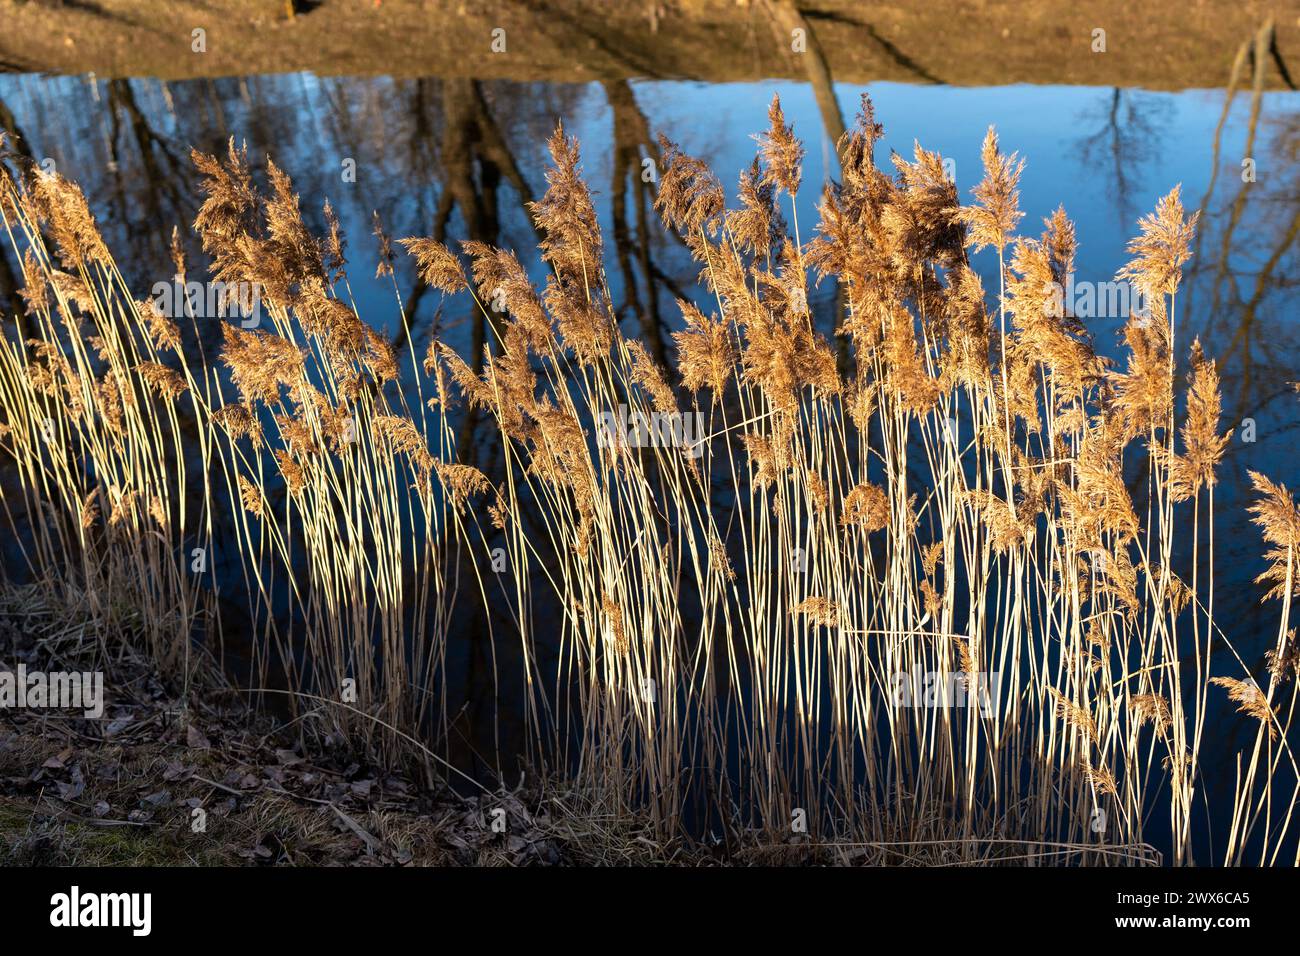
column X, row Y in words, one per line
column 752, row 618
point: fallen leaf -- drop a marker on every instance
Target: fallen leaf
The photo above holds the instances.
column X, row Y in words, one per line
column 70, row 791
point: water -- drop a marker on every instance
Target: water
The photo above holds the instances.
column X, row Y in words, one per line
column 461, row 158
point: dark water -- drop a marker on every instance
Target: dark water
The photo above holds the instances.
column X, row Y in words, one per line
column 460, row 158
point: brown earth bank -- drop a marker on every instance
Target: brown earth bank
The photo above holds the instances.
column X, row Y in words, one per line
column 1167, row 44
column 180, row 772
column 170, row 774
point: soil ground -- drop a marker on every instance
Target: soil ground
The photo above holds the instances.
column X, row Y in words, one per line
column 1168, row 44
column 131, row 787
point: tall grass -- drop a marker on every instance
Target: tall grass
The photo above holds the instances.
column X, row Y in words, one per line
column 941, row 493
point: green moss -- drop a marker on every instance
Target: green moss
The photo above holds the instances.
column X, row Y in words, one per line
column 41, row 839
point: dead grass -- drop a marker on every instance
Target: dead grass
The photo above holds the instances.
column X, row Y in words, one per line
column 939, row 491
